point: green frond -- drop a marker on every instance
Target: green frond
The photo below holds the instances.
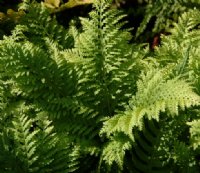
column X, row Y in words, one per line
column 182, row 47
column 185, row 27
column 55, row 156
column 195, row 133
column 26, row 143
column 147, row 154
column 155, row 94
column 162, row 147
column 114, row 151
column 25, row 140
column 37, row 72
column 165, row 13
column 45, row 26
column 39, row 148
column 104, row 46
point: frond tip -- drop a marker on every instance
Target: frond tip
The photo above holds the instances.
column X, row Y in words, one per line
column 155, row 94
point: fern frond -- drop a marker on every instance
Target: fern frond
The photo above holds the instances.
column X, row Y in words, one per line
column 115, row 149
column 36, row 74
column 39, row 148
column 108, row 56
column 162, row 147
column 26, row 142
column 165, row 13
column 44, row 26
column 195, row 133
column 55, row 155
column 155, row 94
column 182, row 47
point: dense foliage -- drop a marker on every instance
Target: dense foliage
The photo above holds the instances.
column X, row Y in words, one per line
column 88, row 99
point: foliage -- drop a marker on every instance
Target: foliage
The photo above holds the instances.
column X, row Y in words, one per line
column 162, row 13
column 85, row 99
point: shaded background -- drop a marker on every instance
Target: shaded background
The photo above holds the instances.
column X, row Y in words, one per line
column 133, row 8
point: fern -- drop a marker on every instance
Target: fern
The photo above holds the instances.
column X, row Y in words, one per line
column 89, row 96
column 114, row 151
column 194, row 131
column 161, row 147
column 25, row 143
column 155, row 94
column 44, row 27
column 36, row 148
column 108, row 60
column 181, row 48
column 165, row 13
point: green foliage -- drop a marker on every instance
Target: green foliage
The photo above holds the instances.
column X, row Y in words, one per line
column 86, row 100
column 155, row 94
column 32, row 145
column 195, row 133
column 182, row 48
column 180, row 51
column 163, row 13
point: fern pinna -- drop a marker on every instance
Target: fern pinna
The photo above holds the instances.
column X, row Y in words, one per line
column 86, row 100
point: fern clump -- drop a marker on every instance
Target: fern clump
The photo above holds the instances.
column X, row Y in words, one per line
column 70, row 97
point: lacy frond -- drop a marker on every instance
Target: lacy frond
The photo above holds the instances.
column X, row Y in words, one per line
column 155, row 94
